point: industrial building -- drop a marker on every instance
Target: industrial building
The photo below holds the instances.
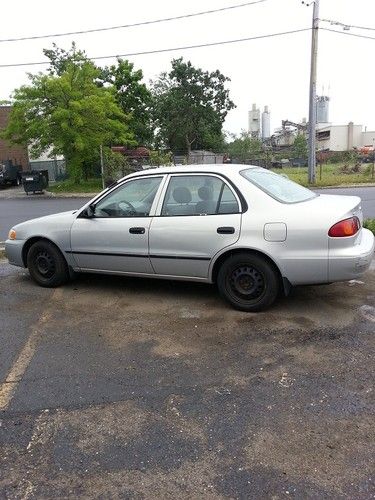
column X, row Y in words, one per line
column 343, row 137
column 330, row 137
column 259, row 125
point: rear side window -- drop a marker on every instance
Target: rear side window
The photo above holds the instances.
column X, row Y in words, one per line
column 198, row 195
column 279, row 187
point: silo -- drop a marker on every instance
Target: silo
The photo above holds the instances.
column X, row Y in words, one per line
column 322, row 109
column 254, row 121
column 266, row 123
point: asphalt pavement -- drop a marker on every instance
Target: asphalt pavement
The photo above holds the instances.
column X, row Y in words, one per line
column 21, row 207
column 148, row 389
column 16, row 210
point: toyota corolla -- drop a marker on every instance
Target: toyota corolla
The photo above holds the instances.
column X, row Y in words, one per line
column 250, row 231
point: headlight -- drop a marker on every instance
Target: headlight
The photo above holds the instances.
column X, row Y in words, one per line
column 12, row 234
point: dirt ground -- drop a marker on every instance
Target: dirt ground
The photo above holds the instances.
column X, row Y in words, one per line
column 123, row 388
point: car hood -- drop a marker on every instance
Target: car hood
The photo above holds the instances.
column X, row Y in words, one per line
column 46, row 226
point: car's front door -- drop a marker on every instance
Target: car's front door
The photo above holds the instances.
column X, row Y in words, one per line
column 116, row 237
column 199, row 216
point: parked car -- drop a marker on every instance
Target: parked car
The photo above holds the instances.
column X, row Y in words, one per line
column 10, row 173
column 247, row 229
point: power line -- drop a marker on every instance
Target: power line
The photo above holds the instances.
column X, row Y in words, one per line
column 142, row 23
column 349, row 34
column 347, row 26
column 172, row 49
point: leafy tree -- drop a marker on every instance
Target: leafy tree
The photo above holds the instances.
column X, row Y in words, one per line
column 244, row 147
column 158, row 158
column 300, row 146
column 116, row 165
column 190, row 106
column 60, row 59
column 67, row 114
column 132, row 96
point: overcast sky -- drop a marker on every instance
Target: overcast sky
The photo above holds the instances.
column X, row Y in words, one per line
column 273, row 72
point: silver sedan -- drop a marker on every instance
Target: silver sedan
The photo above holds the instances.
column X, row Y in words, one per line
column 249, row 230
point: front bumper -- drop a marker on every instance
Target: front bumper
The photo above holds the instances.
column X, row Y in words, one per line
column 350, row 263
column 13, row 251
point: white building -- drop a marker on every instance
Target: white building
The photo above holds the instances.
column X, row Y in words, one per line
column 266, row 124
column 343, row 137
column 254, row 122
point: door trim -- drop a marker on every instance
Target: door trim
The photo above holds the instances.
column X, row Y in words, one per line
column 183, row 257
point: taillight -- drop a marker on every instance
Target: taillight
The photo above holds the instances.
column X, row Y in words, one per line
column 346, row 227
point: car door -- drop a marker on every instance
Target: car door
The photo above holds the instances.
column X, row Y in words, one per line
column 198, row 215
column 115, row 238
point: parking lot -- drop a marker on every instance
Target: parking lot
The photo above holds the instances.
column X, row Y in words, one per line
column 124, row 388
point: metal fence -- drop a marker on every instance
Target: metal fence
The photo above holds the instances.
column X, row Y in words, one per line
column 56, row 168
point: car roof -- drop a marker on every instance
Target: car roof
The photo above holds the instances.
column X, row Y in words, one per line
column 218, row 168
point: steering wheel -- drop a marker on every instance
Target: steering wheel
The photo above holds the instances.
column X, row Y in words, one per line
column 126, row 203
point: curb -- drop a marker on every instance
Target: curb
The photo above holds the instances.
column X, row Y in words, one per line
column 70, row 195
column 341, row 186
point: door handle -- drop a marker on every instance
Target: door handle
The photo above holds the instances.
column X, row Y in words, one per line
column 137, row 230
column 226, row 230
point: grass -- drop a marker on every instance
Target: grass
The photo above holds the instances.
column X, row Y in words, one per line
column 369, row 224
column 327, row 175
column 69, row 186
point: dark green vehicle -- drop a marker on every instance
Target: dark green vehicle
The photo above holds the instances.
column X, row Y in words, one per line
column 10, row 174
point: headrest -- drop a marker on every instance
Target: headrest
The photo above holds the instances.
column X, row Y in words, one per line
column 205, row 193
column 181, row 195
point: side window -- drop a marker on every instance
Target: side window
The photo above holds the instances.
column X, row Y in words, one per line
column 132, row 199
column 198, row 195
column 228, row 202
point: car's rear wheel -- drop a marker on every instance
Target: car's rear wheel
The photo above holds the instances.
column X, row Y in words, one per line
column 248, row 282
column 47, row 265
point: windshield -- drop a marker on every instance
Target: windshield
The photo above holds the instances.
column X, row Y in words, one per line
column 279, row 187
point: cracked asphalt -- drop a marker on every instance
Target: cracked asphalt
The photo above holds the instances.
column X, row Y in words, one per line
column 124, row 388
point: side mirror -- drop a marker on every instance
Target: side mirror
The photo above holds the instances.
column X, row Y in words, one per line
column 90, row 211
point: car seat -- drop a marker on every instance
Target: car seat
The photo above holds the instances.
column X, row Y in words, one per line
column 207, row 205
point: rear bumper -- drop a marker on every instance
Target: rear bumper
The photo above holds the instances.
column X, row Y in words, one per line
column 13, row 251
column 350, row 263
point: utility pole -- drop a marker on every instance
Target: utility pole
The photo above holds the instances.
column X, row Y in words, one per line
column 312, row 100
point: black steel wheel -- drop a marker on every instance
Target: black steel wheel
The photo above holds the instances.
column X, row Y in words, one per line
column 248, row 282
column 47, row 265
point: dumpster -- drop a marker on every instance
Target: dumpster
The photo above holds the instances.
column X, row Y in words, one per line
column 35, row 181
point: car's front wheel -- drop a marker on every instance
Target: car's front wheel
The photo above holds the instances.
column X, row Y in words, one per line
column 47, row 265
column 248, row 282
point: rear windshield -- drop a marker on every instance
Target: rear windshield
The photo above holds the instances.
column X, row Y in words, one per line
column 279, row 187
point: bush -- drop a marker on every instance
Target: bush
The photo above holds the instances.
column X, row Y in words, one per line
column 158, row 158
column 369, row 224
column 343, row 156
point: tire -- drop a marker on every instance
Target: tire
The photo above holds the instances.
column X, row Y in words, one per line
column 46, row 264
column 248, row 282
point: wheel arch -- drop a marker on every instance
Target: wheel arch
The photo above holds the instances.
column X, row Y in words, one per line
column 284, row 282
column 30, row 242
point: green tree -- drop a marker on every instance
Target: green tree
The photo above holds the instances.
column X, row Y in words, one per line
column 300, row 146
column 67, row 114
column 190, row 106
column 60, row 59
column 244, row 147
column 132, row 96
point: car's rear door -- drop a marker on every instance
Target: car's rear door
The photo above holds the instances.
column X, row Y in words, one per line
column 198, row 215
column 116, row 238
